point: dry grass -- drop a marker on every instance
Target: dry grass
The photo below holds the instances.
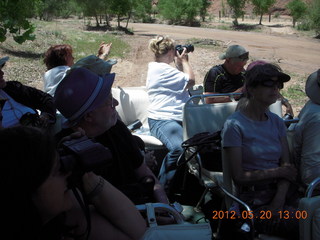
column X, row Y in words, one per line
column 26, row 60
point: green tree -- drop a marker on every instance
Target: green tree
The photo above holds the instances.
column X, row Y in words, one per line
column 223, row 9
column 122, row 8
column 297, row 10
column 13, row 20
column 314, row 16
column 49, row 9
column 237, row 7
column 192, row 9
column 180, row 11
column 261, row 7
column 65, row 8
column 171, row 10
column 204, row 8
column 143, row 10
column 94, row 8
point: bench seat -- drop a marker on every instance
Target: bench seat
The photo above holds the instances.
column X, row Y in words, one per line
column 133, row 105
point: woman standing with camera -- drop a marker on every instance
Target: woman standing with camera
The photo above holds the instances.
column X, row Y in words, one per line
column 168, row 91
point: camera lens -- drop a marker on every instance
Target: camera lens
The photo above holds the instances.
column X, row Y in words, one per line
column 189, row 48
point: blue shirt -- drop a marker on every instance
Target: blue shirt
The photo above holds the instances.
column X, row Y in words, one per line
column 260, row 140
column 12, row 111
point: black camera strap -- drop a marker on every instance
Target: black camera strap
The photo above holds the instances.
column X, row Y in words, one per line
column 85, row 207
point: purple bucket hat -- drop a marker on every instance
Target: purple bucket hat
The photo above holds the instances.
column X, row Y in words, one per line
column 80, row 92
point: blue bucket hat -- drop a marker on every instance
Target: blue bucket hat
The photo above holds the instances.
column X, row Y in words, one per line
column 94, row 64
column 80, row 92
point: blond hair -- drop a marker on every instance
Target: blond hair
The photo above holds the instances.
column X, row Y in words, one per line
column 161, row 45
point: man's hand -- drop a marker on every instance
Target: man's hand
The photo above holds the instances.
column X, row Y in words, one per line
column 77, row 134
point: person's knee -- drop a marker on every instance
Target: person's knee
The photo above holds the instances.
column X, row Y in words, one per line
column 176, row 151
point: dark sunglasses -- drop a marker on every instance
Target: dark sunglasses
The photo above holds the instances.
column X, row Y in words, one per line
column 243, row 57
column 271, row 83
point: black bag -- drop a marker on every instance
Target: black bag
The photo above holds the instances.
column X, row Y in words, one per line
column 140, row 192
column 33, row 120
column 208, row 146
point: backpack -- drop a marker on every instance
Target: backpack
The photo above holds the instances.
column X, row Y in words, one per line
column 208, row 146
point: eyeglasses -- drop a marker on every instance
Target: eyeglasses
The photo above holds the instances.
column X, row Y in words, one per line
column 271, row 83
column 111, row 101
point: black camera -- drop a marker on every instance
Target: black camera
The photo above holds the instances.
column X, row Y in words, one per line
column 287, row 116
column 30, row 119
column 83, row 155
column 135, row 125
column 189, row 47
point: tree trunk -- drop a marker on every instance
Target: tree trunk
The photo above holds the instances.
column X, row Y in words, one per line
column 97, row 20
column 128, row 20
column 107, row 20
column 260, row 21
column 235, row 22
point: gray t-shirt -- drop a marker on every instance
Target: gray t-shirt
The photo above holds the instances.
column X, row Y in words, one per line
column 306, row 142
column 260, row 140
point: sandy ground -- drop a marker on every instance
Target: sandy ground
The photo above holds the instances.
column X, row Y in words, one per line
column 297, row 55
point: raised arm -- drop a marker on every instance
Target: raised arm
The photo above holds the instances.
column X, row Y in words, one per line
column 183, row 65
column 104, row 50
column 115, row 215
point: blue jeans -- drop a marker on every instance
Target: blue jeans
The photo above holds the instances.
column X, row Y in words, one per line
column 169, row 132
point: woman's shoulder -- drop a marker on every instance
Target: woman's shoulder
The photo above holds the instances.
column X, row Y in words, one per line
column 157, row 65
column 276, row 121
column 310, row 110
column 57, row 70
column 274, row 116
column 235, row 118
column 55, row 75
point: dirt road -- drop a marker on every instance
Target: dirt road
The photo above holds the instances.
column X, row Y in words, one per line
column 297, row 55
